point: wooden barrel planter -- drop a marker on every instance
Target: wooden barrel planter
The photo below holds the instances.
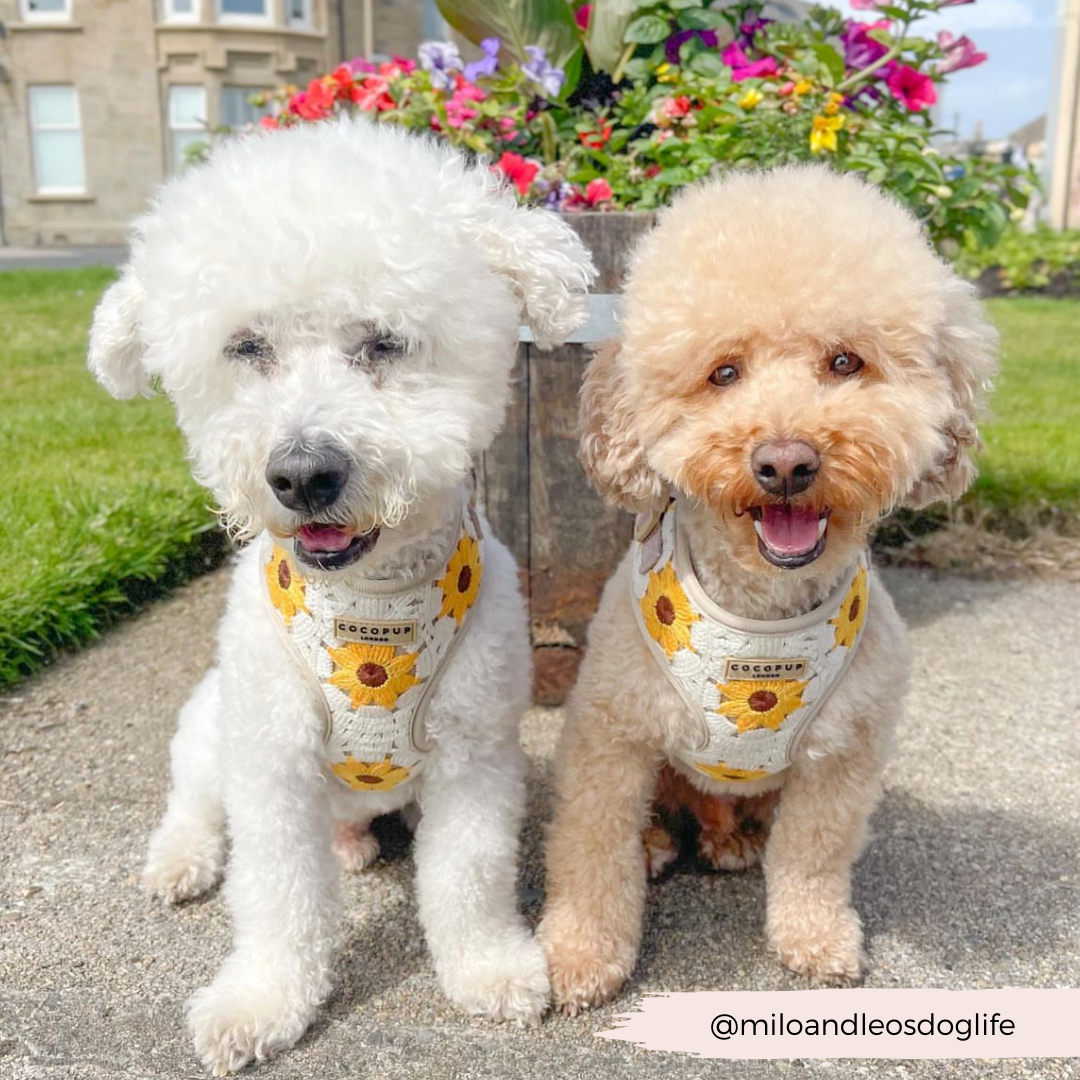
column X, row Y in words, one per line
column 539, row 502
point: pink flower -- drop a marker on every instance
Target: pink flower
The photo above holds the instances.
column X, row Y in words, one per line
column 864, row 5
column 959, row 53
column 744, row 68
column 597, row 191
column 270, row 122
column 373, row 93
column 520, row 171
column 314, row 103
column 914, row 89
column 360, row 66
column 675, row 107
column 581, row 16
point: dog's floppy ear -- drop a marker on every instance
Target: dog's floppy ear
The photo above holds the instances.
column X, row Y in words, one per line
column 116, row 348
column 610, row 450
column 550, row 268
column 967, row 355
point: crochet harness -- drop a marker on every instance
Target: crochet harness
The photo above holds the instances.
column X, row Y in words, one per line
column 373, row 651
column 755, row 685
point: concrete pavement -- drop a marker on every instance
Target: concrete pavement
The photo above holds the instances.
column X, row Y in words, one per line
column 972, row 878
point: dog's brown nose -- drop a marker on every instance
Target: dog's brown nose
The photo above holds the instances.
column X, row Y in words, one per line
column 785, row 466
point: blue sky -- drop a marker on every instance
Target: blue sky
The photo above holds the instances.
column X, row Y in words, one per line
column 1014, row 85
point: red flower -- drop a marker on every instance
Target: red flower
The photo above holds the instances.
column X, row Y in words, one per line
column 372, row 93
column 315, row 103
column 520, row 171
column 914, row 89
column 269, row 122
column 595, row 140
column 676, row 107
column 581, row 16
column 651, row 171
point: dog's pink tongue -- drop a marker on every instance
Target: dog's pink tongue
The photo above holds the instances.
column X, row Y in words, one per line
column 789, row 530
column 323, row 538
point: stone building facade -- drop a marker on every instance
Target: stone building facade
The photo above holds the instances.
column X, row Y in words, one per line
column 98, row 98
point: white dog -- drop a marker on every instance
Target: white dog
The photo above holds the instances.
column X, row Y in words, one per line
column 334, row 311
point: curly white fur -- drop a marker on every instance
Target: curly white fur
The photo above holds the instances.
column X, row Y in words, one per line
column 307, row 239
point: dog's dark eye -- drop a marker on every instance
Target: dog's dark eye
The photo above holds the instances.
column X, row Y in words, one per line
column 379, row 347
column 845, row 364
column 724, row 375
column 249, row 348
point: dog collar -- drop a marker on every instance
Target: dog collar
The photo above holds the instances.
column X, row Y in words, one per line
column 373, row 651
column 754, row 685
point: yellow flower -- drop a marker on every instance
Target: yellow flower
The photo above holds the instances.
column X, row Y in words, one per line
column 760, row 703
column 720, row 771
column 461, row 582
column 667, row 612
column 852, row 613
column 370, row 775
column 833, row 102
column 751, row 98
column 665, row 74
column 285, row 584
column 372, row 674
column 803, row 87
column 823, row 135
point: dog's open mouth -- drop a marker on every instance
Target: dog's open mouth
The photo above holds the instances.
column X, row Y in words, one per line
column 329, row 547
column 790, row 536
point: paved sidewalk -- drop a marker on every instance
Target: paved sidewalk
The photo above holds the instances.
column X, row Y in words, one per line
column 59, row 258
column 972, row 878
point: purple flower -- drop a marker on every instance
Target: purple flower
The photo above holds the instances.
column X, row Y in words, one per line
column 489, row 64
column 671, row 47
column 440, row 58
column 959, row 53
column 538, row 69
column 861, row 50
column 359, row 66
column 745, row 36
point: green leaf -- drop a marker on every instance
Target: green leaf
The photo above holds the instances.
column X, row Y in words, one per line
column 517, row 23
column 682, row 5
column 830, row 59
column 637, row 70
column 701, row 19
column 647, row 30
column 708, row 64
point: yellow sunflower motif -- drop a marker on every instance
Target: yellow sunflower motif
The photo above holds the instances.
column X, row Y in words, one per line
column 668, row 614
column 285, row 584
column 461, row 582
column 720, row 771
column 760, row 703
column 852, row 614
column 370, row 775
column 372, row 674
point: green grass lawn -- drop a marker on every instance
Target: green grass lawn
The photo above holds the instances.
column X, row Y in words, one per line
column 100, row 513
column 97, row 504
column 1032, row 452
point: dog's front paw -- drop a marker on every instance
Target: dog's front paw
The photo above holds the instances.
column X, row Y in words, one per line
column 581, row 978
column 356, row 846
column 237, row 1020
column 508, row 982
column 826, row 947
column 184, row 860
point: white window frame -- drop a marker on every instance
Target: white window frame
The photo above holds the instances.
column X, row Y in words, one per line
column 232, row 19
column 308, row 20
column 171, row 15
column 29, row 15
column 173, row 127
column 36, row 127
column 246, row 90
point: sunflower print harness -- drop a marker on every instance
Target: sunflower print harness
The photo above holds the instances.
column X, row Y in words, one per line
column 373, row 651
column 755, row 685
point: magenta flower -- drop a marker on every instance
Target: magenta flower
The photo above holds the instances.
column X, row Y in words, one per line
column 458, row 109
column 581, row 16
column 913, row 88
column 959, row 53
column 860, row 49
column 744, row 68
column 865, row 5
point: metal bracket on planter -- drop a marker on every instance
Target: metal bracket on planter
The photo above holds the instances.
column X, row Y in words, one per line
column 602, row 323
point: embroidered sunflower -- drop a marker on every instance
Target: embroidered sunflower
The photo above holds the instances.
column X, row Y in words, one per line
column 461, row 582
column 285, row 584
column 372, row 674
column 668, row 614
column 370, row 775
column 760, row 703
column 720, row 771
column 852, row 614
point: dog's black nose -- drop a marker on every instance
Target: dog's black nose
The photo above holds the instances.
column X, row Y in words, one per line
column 307, row 478
column 785, row 466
